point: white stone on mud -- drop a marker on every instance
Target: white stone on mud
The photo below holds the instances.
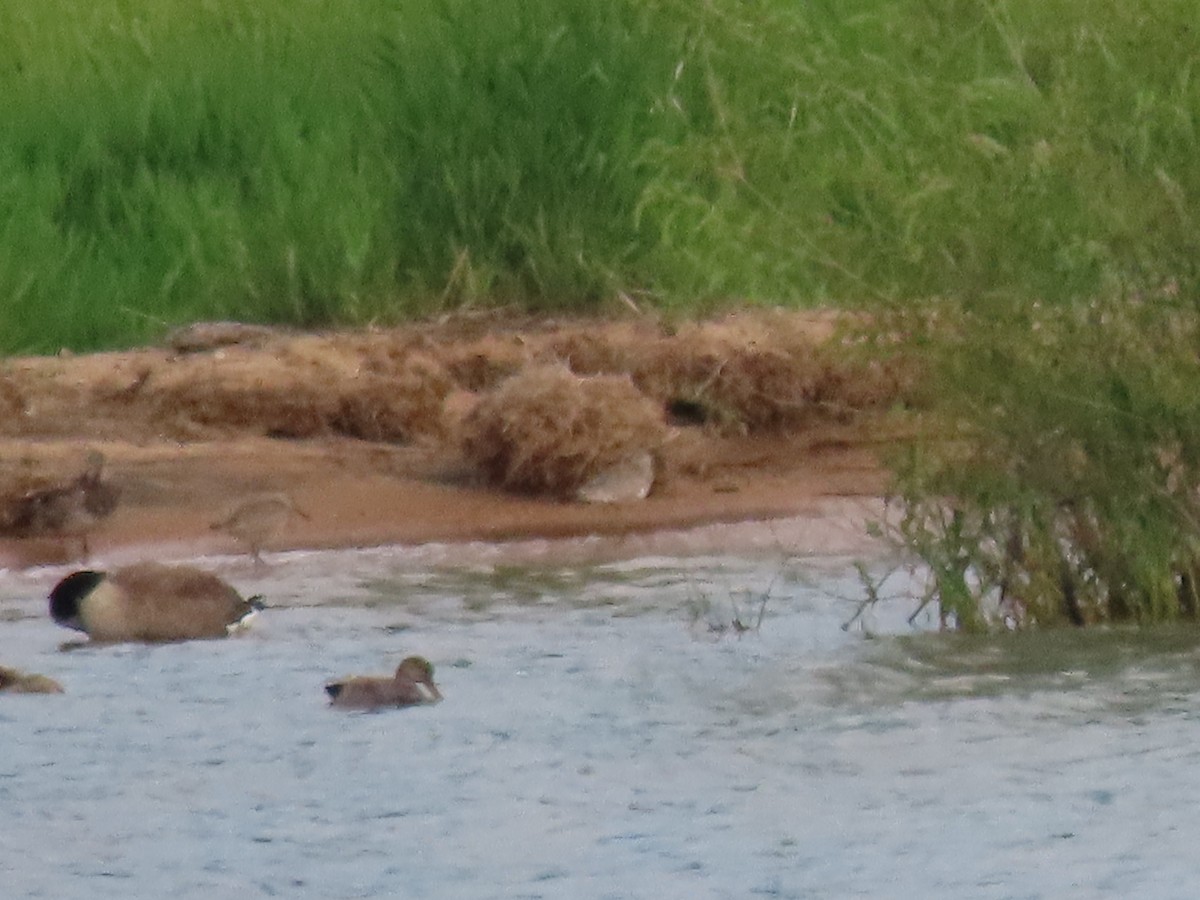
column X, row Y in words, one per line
column 630, row 479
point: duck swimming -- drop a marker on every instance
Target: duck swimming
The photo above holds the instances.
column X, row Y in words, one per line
column 150, row 602
column 13, row 681
column 412, row 685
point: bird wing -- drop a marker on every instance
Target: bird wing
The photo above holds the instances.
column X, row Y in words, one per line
column 365, row 692
column 177, row 602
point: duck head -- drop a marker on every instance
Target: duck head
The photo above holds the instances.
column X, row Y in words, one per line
column 69, row 593
column 417, row 670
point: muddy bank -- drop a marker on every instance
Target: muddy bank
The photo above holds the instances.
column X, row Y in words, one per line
column 762, row 415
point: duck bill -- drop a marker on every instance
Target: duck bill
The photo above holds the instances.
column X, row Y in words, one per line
column 430, row 692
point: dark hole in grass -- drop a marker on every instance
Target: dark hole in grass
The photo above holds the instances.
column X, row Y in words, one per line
column 687, row 412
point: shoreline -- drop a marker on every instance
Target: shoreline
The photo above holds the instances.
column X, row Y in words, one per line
column 363, row 432
column 821, row 511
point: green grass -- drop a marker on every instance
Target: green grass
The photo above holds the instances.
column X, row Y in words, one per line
column 979, row 150
column 315, row 162
column 1061, row 482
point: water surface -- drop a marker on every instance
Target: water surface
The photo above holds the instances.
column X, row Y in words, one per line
column 606, row 733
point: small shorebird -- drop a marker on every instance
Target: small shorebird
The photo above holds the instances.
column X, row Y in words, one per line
column 66, row 510
column 257, row 520
column 150, row 602
column 412, row 685
column 13, row 681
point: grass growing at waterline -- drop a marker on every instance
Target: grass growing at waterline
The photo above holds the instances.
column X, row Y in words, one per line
column 1067, row 491
column 319, row 162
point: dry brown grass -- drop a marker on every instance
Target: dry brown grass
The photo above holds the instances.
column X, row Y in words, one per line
column 396, row 407
column 547, row 430
column 740, row 374
column 766, row 372
column 485, row 362
column 381, row 413
column 311, row 390
column 273, row 401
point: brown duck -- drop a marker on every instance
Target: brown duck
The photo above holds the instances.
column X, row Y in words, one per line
column 13, row 681
column 66, row 510
column 412, row 685
column 150, row 602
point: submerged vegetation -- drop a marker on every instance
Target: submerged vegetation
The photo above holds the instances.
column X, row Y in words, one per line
column 1030, row 166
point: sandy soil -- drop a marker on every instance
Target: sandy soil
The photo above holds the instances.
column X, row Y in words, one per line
column 764, row 415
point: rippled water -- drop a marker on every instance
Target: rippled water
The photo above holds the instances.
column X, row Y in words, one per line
column 601, row 737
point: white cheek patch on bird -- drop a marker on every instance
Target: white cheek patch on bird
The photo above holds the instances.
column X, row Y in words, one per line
column 244, row 623
column 100, row 611
column 428, row 695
